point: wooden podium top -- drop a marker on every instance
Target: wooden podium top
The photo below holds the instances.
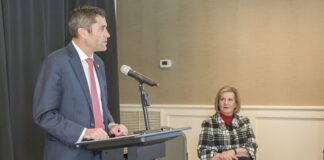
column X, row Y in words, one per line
column 138, row 139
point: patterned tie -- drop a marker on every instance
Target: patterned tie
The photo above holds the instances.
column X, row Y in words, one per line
column 94, row 97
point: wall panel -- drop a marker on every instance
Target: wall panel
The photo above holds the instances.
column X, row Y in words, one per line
column 282, row 132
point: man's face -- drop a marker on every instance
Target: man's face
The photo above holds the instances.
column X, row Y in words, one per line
column 96, row 40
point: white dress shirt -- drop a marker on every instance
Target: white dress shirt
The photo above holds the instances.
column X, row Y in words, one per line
column 85, row 66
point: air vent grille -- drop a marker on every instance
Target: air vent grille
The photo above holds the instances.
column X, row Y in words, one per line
column 134, row 120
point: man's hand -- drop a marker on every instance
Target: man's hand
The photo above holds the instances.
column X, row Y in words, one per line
column 95, row 134
column 118, row 130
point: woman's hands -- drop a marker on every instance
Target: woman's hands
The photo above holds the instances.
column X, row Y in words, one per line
column 231, row 154
column 242, row 152
column 226, row 155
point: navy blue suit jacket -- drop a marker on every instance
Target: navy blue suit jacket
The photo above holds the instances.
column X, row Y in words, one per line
column 62, row 103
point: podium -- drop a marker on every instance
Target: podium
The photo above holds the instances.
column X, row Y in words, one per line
column 146, row 145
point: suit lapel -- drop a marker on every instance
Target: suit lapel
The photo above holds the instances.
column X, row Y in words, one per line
column 78, row 70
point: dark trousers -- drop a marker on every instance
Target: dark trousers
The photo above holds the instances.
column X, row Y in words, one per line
column 244, row 158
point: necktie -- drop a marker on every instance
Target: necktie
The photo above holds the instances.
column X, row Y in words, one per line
column 94, row 97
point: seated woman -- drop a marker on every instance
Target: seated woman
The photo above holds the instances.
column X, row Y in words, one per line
column 226, row 135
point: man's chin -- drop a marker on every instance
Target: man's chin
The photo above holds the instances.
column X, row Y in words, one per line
column 102, row 49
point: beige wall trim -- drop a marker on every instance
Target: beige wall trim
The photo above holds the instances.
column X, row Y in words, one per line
column 208, row 107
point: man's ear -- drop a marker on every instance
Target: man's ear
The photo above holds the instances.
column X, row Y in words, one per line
column 82, row 32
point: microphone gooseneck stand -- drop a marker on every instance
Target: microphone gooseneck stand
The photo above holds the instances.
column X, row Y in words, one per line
column 145, row 104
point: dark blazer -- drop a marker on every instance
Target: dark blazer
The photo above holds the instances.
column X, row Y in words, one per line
column 62, row 103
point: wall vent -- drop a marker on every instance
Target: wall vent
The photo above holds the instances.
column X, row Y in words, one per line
column 134, row 120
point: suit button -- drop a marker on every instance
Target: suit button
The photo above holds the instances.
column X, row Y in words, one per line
column 91, row 124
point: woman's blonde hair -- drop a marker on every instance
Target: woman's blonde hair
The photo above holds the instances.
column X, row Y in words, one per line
column 236, row 96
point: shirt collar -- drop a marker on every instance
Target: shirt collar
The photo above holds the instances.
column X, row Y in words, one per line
column 81, row 54
column 235, row 121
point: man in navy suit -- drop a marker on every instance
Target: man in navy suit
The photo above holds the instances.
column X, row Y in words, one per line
column 63, row 97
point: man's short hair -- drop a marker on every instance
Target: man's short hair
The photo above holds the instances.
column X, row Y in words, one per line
column 84, row 17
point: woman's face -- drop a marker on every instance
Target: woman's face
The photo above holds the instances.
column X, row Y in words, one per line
column 227, row 103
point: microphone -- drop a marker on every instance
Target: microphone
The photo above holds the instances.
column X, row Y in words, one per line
column 128, row 71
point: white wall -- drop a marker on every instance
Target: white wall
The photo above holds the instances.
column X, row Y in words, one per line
column 282, row 132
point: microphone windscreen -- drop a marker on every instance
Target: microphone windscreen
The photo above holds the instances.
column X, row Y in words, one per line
column 125, row 69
